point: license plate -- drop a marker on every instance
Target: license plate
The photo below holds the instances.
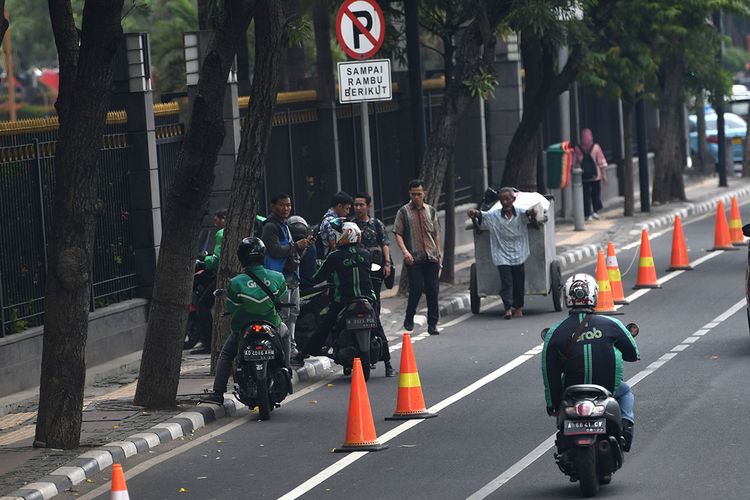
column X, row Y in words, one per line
column 360, row 323
column 578, row 427
column 259, row 355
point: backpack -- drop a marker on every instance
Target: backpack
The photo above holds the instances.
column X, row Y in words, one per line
column 588, row 165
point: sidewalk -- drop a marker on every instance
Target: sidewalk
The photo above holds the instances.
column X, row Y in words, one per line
column 114, row 429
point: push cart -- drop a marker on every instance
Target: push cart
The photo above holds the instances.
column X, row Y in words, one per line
column 543, row 274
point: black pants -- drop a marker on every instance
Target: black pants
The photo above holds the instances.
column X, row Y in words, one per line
column 385, row 355
column 592, row 195
column 512, row 285
column 423, row 278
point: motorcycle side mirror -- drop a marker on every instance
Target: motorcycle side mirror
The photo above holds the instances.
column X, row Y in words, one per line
column 633, row 329
column 375, row 267
column 220, row 292
column 544, row 333
column 746, row 230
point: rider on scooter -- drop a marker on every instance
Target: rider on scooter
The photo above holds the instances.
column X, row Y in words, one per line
column 246, row 302
column 349, row 267
column 588, row 354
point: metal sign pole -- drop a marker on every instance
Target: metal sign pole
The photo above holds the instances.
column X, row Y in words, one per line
column 366, row 156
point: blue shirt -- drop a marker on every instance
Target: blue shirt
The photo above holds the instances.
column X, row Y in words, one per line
column 509, row 238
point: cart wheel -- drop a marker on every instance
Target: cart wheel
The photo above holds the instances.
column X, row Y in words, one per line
column 474, row 298
column 556, row 288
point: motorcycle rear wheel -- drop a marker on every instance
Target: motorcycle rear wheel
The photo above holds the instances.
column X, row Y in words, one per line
column 586, row 468
column 264, row 402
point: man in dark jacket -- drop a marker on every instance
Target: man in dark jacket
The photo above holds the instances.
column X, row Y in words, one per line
column 592, row 354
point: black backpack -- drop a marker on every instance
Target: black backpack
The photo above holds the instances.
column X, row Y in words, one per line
column 588, row 165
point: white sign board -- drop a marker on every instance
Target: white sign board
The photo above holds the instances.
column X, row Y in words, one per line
column 361, row 81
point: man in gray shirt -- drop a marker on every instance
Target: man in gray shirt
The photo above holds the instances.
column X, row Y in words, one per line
column 509, row 247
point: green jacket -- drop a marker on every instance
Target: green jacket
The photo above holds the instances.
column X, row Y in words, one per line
column 247, row 301
column 212, row 261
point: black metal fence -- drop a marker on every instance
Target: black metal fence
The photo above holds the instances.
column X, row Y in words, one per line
column 26, row 194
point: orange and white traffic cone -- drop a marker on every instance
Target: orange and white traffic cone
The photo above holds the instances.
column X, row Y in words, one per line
column 646, row 270
column 615, row 279
column 119, row 488
column 735, row 224
column 679, row 249
column 722, row 241
column 605, row 302
column 360, row 428
column 410, row 402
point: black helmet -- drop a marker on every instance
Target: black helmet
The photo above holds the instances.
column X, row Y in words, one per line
column 251, row 251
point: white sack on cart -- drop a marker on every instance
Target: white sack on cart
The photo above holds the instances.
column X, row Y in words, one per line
column 528, row 200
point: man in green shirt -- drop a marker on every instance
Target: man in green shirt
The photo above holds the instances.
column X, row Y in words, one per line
column 247, row 302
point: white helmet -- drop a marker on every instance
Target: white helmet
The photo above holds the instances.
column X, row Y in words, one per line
column 581, row 291
column 350, row 233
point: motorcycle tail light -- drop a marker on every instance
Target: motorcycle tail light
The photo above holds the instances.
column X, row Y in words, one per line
column 585, row 409
column 256, row 328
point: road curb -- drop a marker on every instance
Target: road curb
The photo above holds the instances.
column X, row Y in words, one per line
column 94, row 461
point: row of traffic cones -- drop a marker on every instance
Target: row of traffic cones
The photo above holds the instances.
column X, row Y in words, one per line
column 726, row 237
column 360, row 427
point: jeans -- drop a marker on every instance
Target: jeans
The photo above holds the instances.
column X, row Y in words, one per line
column 423, row 277
column 229, row 352
column 512, row 285
column 624, row 396
column 592, row 196
column 289, row 314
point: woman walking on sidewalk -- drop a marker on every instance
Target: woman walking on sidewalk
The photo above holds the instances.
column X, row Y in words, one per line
column 589, row 157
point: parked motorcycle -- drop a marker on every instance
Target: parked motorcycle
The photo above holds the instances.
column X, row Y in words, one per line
column 590, row 445
column 199, row 322
column 354, row 334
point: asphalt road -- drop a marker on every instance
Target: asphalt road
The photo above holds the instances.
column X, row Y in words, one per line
column 491, row 438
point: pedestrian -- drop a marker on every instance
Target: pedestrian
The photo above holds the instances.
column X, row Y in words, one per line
column 509, row 247
column 341, row 205
column 283, row 255
column 418, row 236
column 589, row 157
column 375, row 240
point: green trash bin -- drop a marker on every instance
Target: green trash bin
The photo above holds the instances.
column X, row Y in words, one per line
column 559, row 160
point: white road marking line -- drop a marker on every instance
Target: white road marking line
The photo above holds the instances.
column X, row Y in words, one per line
column 680, row 347
column 540, row 450
column 690, row 340
column 700, row 332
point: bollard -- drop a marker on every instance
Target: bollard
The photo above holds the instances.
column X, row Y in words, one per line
column 577, row 178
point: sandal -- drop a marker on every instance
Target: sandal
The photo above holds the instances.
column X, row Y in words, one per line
column 508, row 314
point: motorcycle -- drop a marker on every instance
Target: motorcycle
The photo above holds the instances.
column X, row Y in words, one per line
column 354, row 334
column 590, row 444
column 199, row 309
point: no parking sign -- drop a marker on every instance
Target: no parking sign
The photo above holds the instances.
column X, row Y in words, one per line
column 360, row 28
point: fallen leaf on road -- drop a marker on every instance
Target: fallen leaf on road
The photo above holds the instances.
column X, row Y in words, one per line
column 89, row 481
column 202, row 477
column 713, row 357
column 313, row 402
column 408, row 446
column 329, row 385
column 183, row 490
column 145, row 413
column 220, row 441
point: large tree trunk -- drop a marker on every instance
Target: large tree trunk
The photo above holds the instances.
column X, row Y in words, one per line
column 82, row 109
column 323, row 56
column 270, row 41
column 668, row 184
column 628, row 105
column 188, row 201
column 3, row 21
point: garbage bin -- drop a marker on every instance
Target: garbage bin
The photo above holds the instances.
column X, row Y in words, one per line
column 559, row 159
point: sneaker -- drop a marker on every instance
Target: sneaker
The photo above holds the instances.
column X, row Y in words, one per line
column 589, row 218
column 595, row 216
column 409, row 324
column 433, row 330
column 389, row 371
column 214, row 398
column 627, row 434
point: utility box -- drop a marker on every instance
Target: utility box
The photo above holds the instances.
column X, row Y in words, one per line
column 559, row 161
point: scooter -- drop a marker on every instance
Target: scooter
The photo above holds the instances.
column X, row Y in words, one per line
column 589, row 440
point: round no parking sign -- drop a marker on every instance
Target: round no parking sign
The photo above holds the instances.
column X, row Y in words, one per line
column 360, row 28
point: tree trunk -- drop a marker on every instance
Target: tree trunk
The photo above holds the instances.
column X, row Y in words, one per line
column 668, row 184
column 705, row 161
column 448, row 274
column 82, row 110
column 188, row 201
column 628, row 105
column 323, row 58
column 3, row 21
column 270, row 41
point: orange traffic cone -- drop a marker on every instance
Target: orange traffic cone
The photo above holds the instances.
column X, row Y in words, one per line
column 722, row 241
column 410, row 402
column 605, row 303
column 119, row 489
column 360, row 428
column 679, row 248
column 646, row 269
column 735, row 224
column 615, row 280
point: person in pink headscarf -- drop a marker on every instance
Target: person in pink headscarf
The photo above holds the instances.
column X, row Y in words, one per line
column 588, row 156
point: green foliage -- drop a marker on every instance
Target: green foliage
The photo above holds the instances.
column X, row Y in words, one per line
column 482, row 83
column 300, row 31
column 735, row 59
